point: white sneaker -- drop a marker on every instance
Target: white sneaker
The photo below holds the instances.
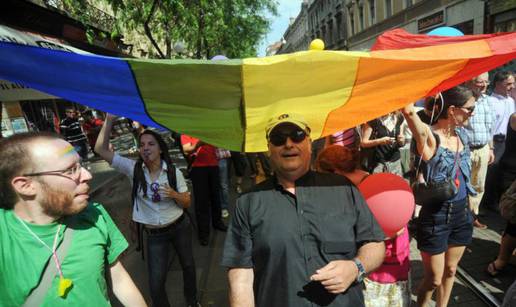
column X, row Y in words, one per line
column 225, row 213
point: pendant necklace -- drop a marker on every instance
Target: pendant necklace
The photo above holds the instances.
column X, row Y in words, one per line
column 64, row 283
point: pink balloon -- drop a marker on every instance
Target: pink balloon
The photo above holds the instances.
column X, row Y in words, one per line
column 390, row 199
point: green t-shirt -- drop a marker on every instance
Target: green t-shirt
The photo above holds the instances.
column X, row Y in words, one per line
column 96, row 242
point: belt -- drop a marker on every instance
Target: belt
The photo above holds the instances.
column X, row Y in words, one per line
column 499, row 138
column 476, row 147
column 155, row 231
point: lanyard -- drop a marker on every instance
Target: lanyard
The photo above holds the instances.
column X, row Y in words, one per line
column 64, row 283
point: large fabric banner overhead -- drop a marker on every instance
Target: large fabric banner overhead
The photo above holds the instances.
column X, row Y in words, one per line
column 227, row 103
column 13, row 92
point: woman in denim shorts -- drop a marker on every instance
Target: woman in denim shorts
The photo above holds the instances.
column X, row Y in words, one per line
column 444, row 229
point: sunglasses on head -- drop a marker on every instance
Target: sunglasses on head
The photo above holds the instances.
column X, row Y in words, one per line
column 279, row 138
column 469, row 109
column 155, row 195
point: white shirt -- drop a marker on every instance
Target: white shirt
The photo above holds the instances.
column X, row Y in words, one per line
column 503, row 107
column 145, row 210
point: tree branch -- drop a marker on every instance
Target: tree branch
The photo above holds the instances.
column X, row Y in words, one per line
column 148, row 31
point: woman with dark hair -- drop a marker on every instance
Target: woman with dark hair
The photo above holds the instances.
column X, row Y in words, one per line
column 160, row 197
column 442, row 154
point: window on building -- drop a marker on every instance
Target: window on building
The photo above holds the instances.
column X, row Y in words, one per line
column 388, row 8
column 351, row 21
column 338, row 18
column 330, row 32
column 361, row 17
column 408, row 3
column 372, row 12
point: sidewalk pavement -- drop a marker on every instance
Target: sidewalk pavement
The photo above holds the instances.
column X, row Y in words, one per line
column 113, row 190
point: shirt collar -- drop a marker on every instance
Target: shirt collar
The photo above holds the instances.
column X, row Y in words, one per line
column 299, row 182
column 164, row 166
column 496, row 95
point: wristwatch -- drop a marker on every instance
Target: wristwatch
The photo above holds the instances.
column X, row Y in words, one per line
column 361, row 270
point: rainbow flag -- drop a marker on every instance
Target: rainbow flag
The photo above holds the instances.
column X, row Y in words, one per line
column 227, row 103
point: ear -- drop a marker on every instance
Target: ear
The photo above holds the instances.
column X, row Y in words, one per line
column 23, row 186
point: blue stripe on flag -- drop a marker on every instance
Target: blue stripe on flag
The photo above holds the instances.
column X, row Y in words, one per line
column 100, row 82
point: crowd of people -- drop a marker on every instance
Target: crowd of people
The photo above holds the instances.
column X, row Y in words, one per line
column 302, row 235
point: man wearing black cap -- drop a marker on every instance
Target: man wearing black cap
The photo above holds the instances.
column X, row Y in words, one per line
column 300, row 238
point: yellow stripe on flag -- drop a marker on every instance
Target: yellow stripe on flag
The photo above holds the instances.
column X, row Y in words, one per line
column 274, row 85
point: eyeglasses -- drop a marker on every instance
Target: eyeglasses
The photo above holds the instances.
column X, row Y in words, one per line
column 155, row 195
column 469, row 109
column 279, row 138
column 73, row 172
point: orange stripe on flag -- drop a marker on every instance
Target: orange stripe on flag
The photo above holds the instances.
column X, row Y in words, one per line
column 383, row 85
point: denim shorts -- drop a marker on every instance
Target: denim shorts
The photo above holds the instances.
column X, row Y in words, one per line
column 450, row 223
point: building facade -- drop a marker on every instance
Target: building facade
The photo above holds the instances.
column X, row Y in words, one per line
column 355, row 24
column 296, row 37
column 327, row 21
column 46, row 24
column 367, row 19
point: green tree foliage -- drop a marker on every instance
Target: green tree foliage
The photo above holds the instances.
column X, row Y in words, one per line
column 208, row 27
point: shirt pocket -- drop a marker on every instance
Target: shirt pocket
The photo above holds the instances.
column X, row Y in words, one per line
column 335, row 250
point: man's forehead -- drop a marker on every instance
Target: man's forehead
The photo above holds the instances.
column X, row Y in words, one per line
column 52, row 149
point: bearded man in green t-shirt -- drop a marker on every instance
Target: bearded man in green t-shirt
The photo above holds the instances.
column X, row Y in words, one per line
column 55, row 247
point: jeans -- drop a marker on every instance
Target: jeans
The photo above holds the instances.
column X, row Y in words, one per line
column 206, row 186
column 158, row 258
column 224, row 183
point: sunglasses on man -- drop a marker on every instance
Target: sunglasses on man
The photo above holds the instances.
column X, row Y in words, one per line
column 278, row 137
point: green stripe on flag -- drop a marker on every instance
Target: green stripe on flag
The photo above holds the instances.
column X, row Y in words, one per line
column 197, row 98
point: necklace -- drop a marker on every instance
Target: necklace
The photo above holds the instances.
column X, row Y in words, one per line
column 64, row 283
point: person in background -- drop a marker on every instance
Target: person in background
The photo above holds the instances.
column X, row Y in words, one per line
column 239, row 166
column 71, row 130
column 160, row 197
column 343, row 161
column 479, row 129
column 503, row 106
column 206, row 186
column 508, row 176
column 56, row 247
column 389, row 284
column 91, row 127
column 224, row 157
column 383, row 136
column 443, row 229
column 300, row 238
column 346, row 138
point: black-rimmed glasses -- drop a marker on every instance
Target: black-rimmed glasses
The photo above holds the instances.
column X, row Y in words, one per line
column 469, row 109
column 73, row 172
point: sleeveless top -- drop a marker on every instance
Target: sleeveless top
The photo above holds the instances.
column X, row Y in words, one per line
column 442, row 165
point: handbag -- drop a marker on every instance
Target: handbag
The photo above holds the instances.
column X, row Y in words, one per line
column 430, row 193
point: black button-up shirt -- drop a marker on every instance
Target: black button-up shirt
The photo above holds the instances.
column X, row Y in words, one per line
column 285, row 238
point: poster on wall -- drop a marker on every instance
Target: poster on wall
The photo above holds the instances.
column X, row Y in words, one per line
column 19, row 125
column 6, row 128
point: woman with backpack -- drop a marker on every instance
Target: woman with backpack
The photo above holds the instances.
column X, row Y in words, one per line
column 160, row 197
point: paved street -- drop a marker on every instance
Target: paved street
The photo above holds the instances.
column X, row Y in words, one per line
column 113, row 190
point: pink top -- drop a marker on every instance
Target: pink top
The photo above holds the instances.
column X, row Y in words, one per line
column 396, row 265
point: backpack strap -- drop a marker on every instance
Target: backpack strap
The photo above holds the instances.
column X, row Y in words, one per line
column 37, row 295
column 139, row 228
column 171, row 176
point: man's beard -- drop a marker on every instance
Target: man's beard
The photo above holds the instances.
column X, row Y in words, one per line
column 58, row 203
